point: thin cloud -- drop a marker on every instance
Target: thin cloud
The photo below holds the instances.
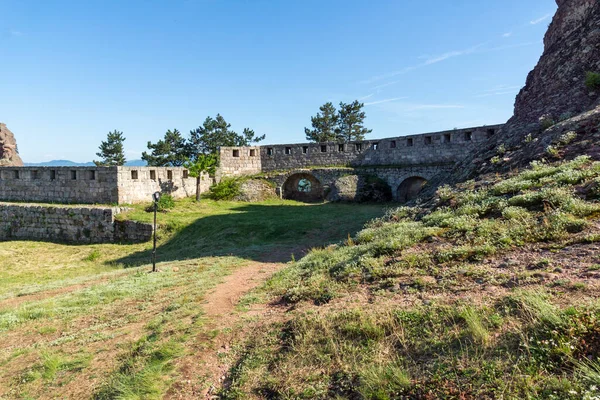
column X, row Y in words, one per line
column 366, row 97
column 389, row 75
column 503, row 88
column 495, row 94
column 511, row 46
column 451, row 54
column 499, row 90
column 379, row 87
column 429, row 60
column 416, row 107
column 385, row 101
column 540, row 20
column 13, row 32
column 507, row 34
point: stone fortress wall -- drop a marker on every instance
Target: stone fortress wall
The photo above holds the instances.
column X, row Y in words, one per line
column 405, row 163
column 95, row 185
column 69, row 224
column 429, row 148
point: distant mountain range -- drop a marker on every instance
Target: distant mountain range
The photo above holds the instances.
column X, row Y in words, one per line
column 67, row 163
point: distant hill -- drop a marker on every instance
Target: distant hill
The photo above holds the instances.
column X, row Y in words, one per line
column 68, row 163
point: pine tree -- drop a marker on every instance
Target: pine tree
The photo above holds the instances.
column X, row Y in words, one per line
column 111, row 151
column 350, row 124
column 215, row 133
column 323, row 125
column 172, row 151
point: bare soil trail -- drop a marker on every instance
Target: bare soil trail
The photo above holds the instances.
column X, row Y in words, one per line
column 203, row 371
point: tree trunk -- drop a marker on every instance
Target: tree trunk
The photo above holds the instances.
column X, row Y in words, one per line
column 198, row 178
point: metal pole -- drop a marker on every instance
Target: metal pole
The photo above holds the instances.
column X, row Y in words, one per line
column 154, row 247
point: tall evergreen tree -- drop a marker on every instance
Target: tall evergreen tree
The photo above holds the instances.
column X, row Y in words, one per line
column 172, row 150
column 350, row 124
column 323, row 125
column 111, row 151
column 214, row 133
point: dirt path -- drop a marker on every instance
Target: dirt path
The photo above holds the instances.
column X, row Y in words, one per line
column 203, row 370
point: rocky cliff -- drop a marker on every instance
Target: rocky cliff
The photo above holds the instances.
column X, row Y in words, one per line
column 556, row 116
column 9, row 154
column 556, row 87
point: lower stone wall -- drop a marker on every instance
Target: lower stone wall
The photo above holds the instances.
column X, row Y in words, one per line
column 68, row 224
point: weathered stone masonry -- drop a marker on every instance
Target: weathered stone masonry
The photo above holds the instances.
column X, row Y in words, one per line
column 395, row 160
column 69, row 224
column 95, row 185
column 429, row 148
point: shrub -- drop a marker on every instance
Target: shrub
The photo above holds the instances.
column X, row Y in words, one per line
column 165, row 204
column 552, row 151
column 93, row 256
column 546, row 121
column 227, row 189
column 501, row 150
column 592, row 80
column 567, row 138
column 528, row 138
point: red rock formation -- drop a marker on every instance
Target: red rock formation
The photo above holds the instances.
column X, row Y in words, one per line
column 555, row 91
column 556, row 86
column 9, row 154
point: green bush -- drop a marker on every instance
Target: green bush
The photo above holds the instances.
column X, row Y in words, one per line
column 227, row 189
column 165, row 204
column 592, row 80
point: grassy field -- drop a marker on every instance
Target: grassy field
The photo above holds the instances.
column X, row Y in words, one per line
column 490, row 291
column 88, row 321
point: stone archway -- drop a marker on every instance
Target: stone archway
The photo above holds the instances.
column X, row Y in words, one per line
column 410, row 188
column 302, row 187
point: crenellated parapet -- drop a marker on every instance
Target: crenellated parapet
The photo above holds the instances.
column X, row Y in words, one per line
column 314, row 171
column 429, row 148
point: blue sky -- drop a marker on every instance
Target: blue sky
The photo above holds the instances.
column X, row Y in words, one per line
column 73, row 70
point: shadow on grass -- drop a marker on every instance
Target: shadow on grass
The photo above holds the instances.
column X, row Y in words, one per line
column 259, row 232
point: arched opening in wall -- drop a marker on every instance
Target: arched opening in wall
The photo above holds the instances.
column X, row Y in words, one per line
column 303, row 187
column 410, row 188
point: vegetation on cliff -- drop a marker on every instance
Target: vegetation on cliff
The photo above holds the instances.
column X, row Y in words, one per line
column 487, row 291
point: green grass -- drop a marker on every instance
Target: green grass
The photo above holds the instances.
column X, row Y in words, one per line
column 351, row 339
column 257, row 231
column 424, row 352
column 191, row 230
column 537, row 205
column 76, row 314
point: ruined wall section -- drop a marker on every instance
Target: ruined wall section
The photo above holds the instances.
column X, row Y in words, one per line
column 59, row 184
column 68, row 224
column 95, row 185
column 424, row 149
column 136, row 185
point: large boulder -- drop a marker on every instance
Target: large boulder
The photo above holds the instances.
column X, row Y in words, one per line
column 9, row 153
column 254, row 190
